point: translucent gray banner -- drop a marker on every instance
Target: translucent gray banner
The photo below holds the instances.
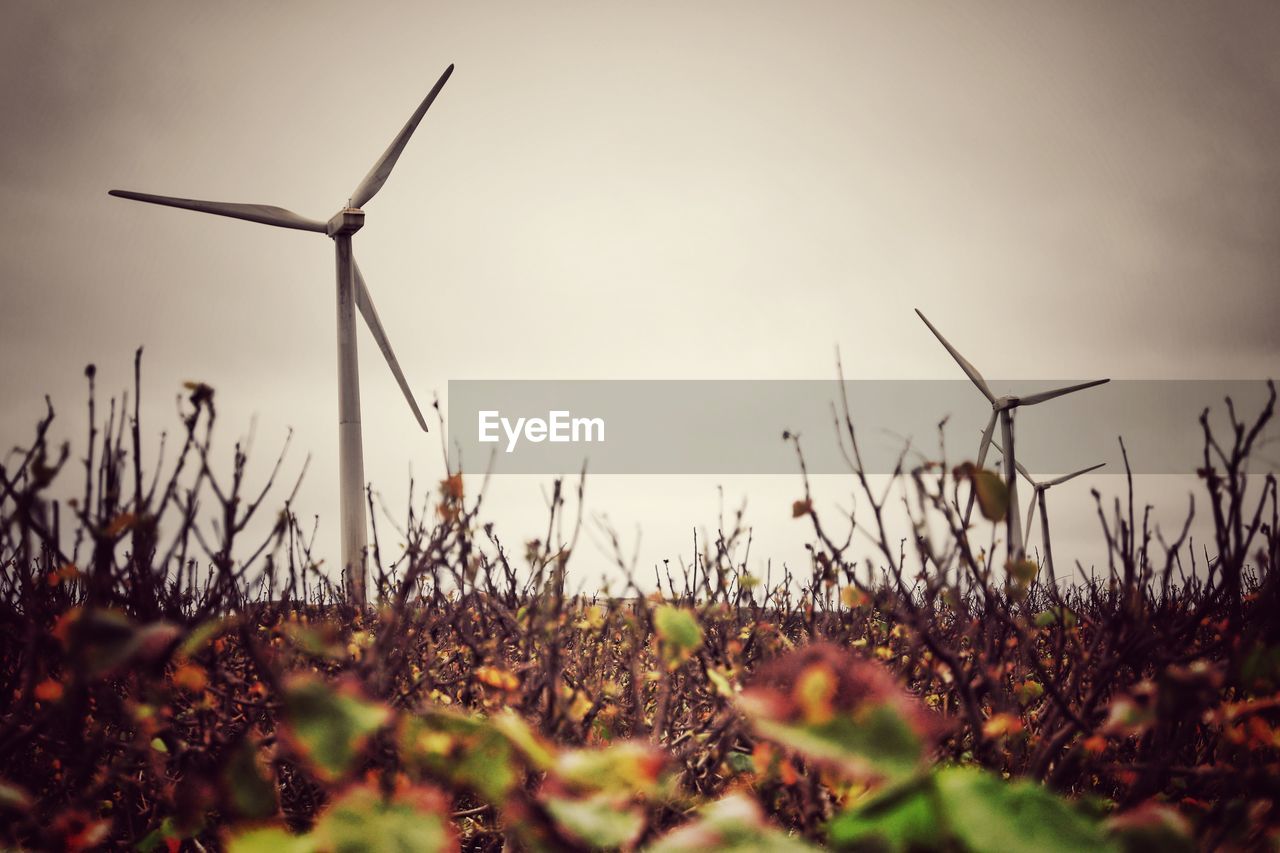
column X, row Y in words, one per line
column 727, row 427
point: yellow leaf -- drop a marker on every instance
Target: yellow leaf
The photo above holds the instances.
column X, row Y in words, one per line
column 191, row 677
column 1001, row 725
column 990, row 489
column 814, row 691
column 854, row 598
column 497, row 678
column 1023, row 571
column 580, row 706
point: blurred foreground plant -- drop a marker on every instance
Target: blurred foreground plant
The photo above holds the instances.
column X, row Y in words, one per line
column 169, row 684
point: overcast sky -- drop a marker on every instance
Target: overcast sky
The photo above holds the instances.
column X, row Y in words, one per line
column 658, row 190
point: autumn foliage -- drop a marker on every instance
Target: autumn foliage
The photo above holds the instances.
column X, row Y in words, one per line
column 169, row 685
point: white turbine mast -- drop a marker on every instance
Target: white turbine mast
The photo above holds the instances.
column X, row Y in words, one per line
column 1038, row 488
column 1003, row 408
column 353, row 295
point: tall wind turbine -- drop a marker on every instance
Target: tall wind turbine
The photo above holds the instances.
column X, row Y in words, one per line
column 1003, row 408
column 1038, row 488
column 352, row 295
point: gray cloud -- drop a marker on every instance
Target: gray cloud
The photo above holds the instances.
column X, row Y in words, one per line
column 659, row 191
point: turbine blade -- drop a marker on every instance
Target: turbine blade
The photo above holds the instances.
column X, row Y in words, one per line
column 1066, row 477
column 1031, row 510
column 1023, row 471
column 986, row 439
column 377, row 176
column 365, row 303
column 1032, row 399
column 969, row 369
column 982, row 457
column 264, row 213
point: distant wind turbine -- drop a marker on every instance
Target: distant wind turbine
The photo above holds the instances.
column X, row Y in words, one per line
column 352, row 294
column 1003, row 409
column 1038, row 489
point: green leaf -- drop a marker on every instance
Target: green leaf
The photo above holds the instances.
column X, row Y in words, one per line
column 528, row 743
column 329, row 726
column 462, row 750
column 361, row 821
column 903, row 818
column 993, row 494
column 156, row 837
column 837, row 710
column 734, row 823
column 1053, row 616
column 249, row 789
column 602, row 821
column 1029, row 691
column 322, row 639
column 874, row 741
column 969, row 809
column 679, row 636
column 720, row 681
column 204, row 633
column 1023, row 571
column 985, row 813
column 270, row 839
column 633, row 767
column 168, row 831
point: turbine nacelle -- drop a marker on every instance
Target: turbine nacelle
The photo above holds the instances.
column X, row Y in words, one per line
column 345, row 222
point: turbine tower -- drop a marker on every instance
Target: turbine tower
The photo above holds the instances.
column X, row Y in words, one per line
column 1038, row 489
column 353, row 295
column 1003, row 408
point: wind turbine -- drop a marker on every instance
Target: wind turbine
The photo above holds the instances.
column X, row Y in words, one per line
column 1037, row 497
column 1003, row 408
column 353, row 294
